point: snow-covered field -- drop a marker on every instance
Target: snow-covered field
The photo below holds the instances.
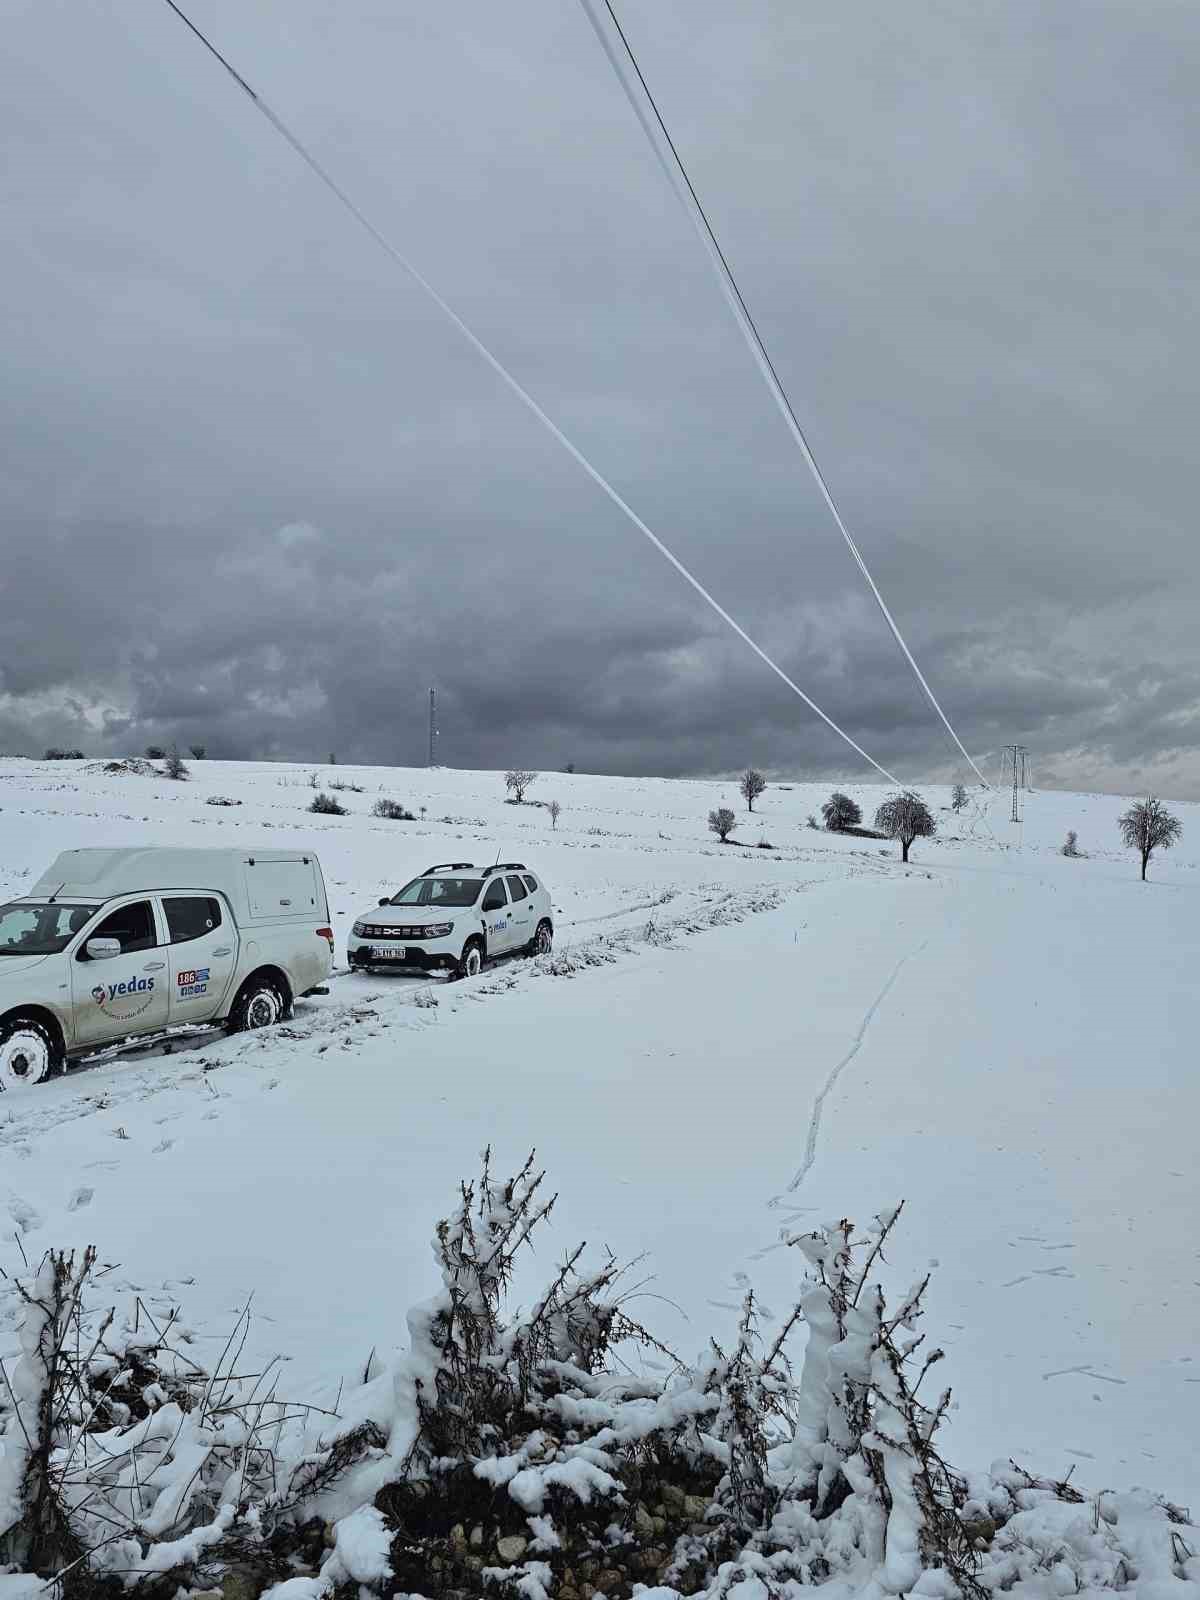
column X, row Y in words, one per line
column 998, row 1035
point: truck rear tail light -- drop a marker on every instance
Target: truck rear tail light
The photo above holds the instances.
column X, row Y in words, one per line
column 327, row 934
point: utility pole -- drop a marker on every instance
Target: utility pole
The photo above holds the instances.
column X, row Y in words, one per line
column 1016, row 756
column 433, row 731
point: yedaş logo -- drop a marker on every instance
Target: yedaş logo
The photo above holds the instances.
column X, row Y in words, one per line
column 130, row 988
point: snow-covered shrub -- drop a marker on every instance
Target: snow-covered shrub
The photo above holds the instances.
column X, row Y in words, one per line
column 35, row 1529
column 221, row 800
column 516, row 1452
column 722, row 822
column 175, row 766
column 958, row 797
column 1071, row 848
column 119, row 1452
column 841, row 812
column 392, row 811
column 340, row 785
column 327, row 805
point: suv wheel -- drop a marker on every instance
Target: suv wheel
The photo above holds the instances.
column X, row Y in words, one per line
column 471, row 962
column 28, row 1053
column 260, row 1004
column 543, row 939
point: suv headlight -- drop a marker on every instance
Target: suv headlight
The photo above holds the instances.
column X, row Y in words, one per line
column 437, row 930
column 359, row 929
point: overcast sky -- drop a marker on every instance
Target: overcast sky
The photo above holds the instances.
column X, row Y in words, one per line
column 256, row 493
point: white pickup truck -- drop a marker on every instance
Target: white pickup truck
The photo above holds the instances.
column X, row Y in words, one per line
column 116, row 945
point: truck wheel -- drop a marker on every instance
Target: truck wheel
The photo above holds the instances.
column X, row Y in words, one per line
column 260, row 1004
column 543, row 939
column 29, row 1053
column 471, row 963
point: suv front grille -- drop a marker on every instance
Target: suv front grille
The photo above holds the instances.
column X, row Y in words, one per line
column 370, row 931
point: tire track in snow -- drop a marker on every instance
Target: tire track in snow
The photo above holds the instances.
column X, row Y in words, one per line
column 814, row 1124
column 628, row 911
column 31, row 1114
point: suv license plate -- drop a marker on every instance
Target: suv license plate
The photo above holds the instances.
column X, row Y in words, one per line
column 387, row 952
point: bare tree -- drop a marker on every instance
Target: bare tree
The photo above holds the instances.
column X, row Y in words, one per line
column 722, row 822
column 905, row 817
column 197, row 751
column 751, row 784
column 840, row 812
column 518, row 781
column 155, row 752
column 555, row 811
column 958, row 797
column 1148, row 826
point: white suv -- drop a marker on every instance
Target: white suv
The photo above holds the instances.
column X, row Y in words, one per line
column 454, row 918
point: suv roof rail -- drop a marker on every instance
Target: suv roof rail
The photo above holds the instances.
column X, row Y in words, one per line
column 449, row 866
column 505, row 866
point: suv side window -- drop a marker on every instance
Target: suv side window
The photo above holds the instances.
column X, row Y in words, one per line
column 495, row 898
column 530, row 882
column 191, row 916
column 132, row 926
column 516, row 888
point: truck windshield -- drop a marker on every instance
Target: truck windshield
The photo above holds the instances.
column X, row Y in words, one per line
column 31, row 928
column 438, row 892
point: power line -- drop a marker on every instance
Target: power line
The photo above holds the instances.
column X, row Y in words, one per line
column 672, row 164
column 521, row 393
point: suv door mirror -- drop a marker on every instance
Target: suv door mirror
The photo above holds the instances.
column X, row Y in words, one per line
column 385, row 901
column 103, row 949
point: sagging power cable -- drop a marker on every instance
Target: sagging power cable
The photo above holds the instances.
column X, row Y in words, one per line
column 624, row 63
column 521, row 393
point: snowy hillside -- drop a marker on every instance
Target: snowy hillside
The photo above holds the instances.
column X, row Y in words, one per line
column 743, row 1042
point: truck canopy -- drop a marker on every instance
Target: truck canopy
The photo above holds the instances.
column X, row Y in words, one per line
column 260, row 886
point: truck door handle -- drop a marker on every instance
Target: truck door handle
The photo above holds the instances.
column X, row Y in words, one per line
column 154, row 966
column 224, row 950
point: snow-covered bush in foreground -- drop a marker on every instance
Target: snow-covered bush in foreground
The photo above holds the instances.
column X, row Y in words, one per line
column 514, row 1453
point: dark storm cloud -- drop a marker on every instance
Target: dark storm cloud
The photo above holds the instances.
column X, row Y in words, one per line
column 256, row 495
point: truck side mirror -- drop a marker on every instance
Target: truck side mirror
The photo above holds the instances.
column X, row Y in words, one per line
column 385, row 901
column 103, row 949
